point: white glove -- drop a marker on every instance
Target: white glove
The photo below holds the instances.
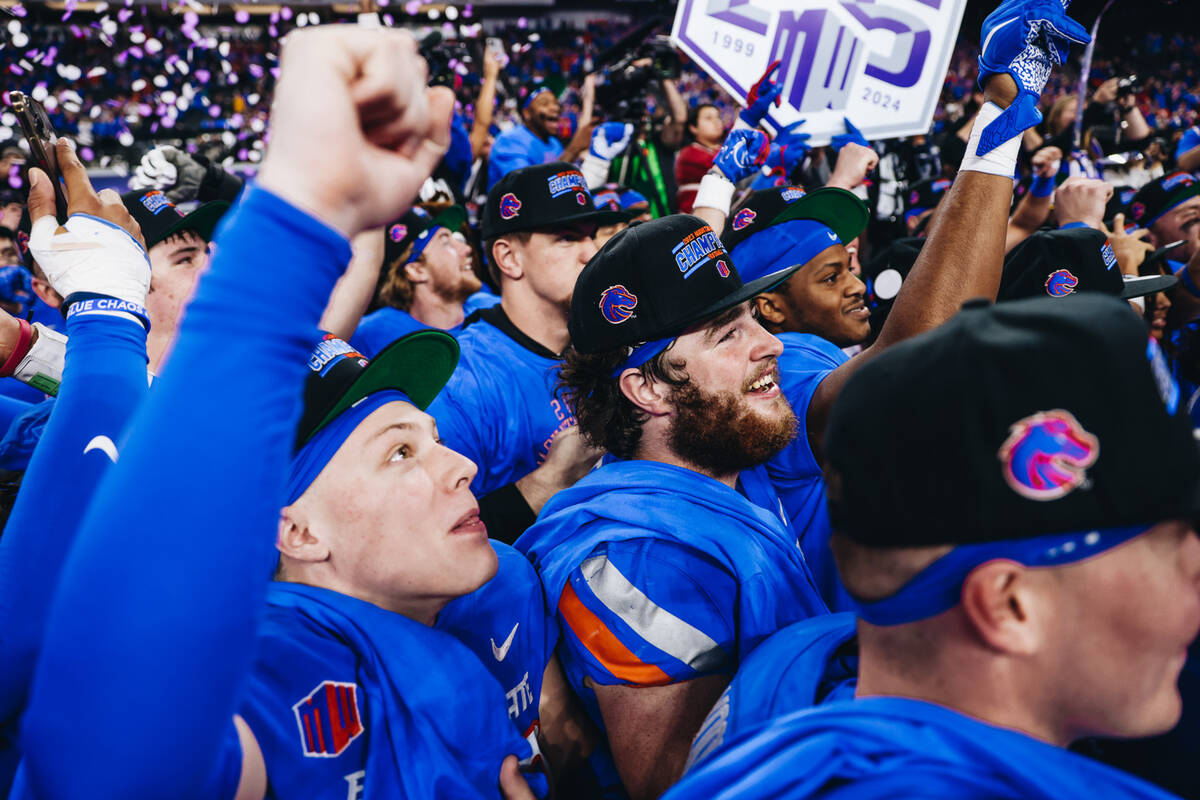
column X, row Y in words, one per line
column 154, row 172
column 93, row 257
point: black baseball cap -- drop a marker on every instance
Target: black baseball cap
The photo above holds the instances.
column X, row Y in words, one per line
column 1066, row 262
column 837, row 209
column 654, row 280
column 159, row 218
column 418, row 365
column 414, row 227
column 1008, row 422
column 541, row 196
column 1119, row 204
column 1161, row 195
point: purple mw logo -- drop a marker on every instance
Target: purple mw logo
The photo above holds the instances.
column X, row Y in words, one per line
column 820, row 55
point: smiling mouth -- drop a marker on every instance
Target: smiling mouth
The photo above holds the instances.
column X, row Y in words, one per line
column 469, row 523
column 764, row 384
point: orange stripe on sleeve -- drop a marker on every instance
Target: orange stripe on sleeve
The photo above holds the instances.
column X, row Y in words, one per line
column 607, row 648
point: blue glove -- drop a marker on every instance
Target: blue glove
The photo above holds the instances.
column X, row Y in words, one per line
column 788, row 150
column 16, row 286
column 610, row 140
column 744, row 152
column 760, row 97
column 852, row 134
column 1024, row 39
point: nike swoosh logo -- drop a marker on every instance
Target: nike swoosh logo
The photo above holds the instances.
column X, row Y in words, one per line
column 832, row 236
column 501, row 652
column 104, row 445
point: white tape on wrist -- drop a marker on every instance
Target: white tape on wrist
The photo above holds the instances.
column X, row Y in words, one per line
column 595, row 171
column 42, row 366
column 1000, row 161
column 715, row 192
column 93, row 256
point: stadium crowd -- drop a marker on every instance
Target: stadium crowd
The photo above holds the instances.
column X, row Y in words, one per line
column 528, row 421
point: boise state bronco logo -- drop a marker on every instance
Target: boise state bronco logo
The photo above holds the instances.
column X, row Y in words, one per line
column 1061, row 283
column 329, row 719
column 1139, row 210
column 1045, row 455
column 722, row 269
column 23, row 241
column 743, row 218
column 617, row 304
column 510, row 206
column 397, row 232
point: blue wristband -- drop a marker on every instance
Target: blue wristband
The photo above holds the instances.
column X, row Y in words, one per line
column 1186, row 281
column 91, row 303
column 1071, row 225
column 1042, row 186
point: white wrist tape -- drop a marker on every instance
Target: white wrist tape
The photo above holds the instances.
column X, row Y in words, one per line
column 1000, row 161
column 92, row 256
column 715, row 192
column 42, row 366
column 595, row 171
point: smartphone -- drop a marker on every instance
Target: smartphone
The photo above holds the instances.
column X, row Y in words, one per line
column 495, row 45
column 42, row 138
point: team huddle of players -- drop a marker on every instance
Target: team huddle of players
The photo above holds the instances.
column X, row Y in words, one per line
column 725, row 559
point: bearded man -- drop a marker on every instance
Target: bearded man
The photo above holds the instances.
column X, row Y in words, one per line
column 674, row 560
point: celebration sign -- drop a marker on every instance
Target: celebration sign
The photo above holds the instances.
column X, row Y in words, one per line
column 882, row 64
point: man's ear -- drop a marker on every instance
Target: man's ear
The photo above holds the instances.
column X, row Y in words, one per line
column 416, row 272
column 646, row 393
column 296, row 538
column 507, row 259
column 47, row 294
column 1007, row 606
column 770, row 308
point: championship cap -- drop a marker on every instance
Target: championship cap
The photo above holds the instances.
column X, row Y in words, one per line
column 837, row 209
column 344, row 386
column 159, row 218
column 652, row 281
column 1038, row 431
column 416, row 228
column 1064, row 262
column 541, row 196
column 1161, row 195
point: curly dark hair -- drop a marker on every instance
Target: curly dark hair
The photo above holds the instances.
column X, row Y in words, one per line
column 606, row 417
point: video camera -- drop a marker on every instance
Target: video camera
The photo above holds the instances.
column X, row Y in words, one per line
column 442, row 57
column 622, row 95
column 1130, row 84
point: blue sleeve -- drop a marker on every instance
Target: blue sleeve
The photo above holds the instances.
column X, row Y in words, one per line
column 1189, row 140
column 805, row 362
column 509, row 151
column 104, row 381
column 647, row 612
column 152, row 633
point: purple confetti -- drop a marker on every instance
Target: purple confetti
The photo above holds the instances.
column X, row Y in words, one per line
column 275, row 73
column 202, row 75
column 412, row 7
column 14, row 181
column 136, row 52
column 77, row 33
column 387, row 20
column 191, row 19
column 15, row 70
column 123, row 15
column 242, row 16
column 19, row 10
column 285, row 13
column 214, row 110
column 243, row 154
column 87, row 154
column 271, row 30
column 522, row 23
column 256, row 70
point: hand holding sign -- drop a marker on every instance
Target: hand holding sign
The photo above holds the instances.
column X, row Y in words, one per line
column 760, row 97
column 1024, row 39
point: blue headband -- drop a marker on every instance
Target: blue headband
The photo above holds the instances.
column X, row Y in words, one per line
column 421, row 242
column 643, row 353
column 938, row 587
column 778, row 247
column 533, row 94
column 316, row 452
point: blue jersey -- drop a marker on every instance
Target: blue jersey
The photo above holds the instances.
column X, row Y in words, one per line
column 519, row 147
column 499, row 408
column 889, row 747
column 482, row 299
column 13, row 389
column 1189, row 140
column 805, row 362
column 384, row 326
column 811, row 662
column 347, row 699
column 505, row 624
column 660, row 574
